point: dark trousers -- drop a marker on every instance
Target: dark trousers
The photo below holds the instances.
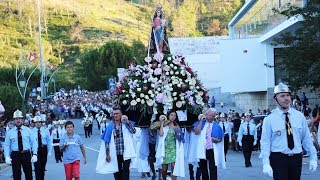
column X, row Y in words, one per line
column 87, row 131
column 90, row 129
column 24, row 160
column 212, row 166
column 40, row 165
column 247, row 147
column 191, row 172
column 286, row 167
column 226, row 146
column 123, row 166
column 57, row 152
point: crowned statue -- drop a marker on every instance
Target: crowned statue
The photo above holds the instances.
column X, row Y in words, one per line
column 164, row 82
column 158, row 37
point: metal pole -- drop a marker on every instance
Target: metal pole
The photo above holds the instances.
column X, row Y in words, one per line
column 42, row 68
column 54, row 86
column 23, row 113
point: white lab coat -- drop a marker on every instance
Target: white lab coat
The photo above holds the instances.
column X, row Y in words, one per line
column 104, row 167
column 218, row 149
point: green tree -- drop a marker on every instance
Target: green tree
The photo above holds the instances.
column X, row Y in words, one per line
column 184, row 22
column 96, row 65
column 302, row 59
column 10, row 98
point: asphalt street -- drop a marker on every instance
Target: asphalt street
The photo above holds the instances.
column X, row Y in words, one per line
column 235, row 164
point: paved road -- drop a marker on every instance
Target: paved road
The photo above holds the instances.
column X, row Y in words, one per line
column 235, row 164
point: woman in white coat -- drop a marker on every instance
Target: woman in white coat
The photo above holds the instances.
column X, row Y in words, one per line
column 170, row 147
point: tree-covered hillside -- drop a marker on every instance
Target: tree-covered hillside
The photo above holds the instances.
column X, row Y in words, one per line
column 74, row 31
column 70, row 26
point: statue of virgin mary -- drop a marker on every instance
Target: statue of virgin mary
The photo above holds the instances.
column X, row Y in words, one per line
column 158, row 42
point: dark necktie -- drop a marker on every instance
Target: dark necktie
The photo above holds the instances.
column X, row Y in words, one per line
column 289, row 133
column 20, row 145
column 224, row 128
column 39, row 139
column 248, row 129
column 57, row 134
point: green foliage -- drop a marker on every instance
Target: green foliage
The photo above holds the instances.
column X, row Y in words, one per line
column 10, row 98
column 96, row 65
column 302, row 60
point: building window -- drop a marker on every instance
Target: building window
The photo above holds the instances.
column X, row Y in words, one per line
column 279, row 70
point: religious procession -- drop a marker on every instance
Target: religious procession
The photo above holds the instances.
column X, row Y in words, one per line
column 159, row 121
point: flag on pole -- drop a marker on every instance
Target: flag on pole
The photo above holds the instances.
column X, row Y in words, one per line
column 32, row 57
column 52, row 66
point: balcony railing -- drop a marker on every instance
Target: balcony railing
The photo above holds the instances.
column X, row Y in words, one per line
column 261, row 18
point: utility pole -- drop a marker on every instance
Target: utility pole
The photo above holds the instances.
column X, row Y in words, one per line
column 42, row 68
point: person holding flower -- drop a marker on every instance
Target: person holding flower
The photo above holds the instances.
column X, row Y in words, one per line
column 170, row 147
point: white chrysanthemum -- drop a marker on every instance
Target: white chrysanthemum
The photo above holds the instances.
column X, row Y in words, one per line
column 179, row 104
column 150, row 102
column 133, row 103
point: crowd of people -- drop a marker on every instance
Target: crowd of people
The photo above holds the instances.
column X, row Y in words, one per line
column 164, row 146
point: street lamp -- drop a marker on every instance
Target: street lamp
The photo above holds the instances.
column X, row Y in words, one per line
column 22, row 81
column 22, row 85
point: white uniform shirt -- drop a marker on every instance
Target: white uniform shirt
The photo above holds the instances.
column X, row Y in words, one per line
column 274, row 136
column 227, row 128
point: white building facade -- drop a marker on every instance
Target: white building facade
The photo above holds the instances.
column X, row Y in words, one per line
column 245, row 64
column 249, row 54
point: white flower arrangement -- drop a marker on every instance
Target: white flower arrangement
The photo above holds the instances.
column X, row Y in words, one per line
column 165, row 80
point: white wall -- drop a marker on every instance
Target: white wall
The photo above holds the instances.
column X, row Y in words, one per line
column 203, row 55
column 243, row 71
column 207, row 67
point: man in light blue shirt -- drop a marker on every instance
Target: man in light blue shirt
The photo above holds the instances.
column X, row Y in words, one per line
column 44, row 147
column 224, row 124
column 247, row 137
column 284, row 132
column 18, row 146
